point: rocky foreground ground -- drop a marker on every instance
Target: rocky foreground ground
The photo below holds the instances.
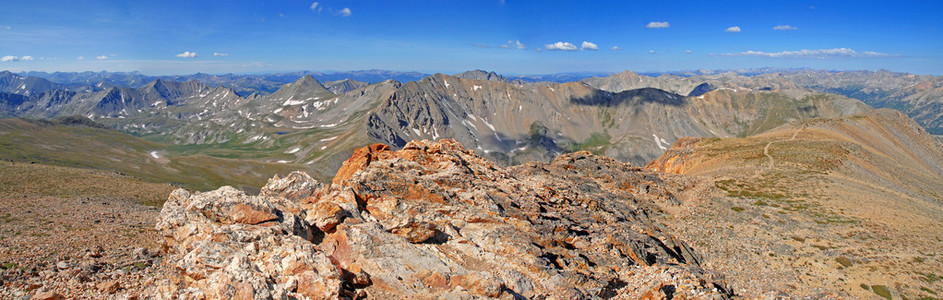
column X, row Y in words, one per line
column 432, row 220
column 75, row 233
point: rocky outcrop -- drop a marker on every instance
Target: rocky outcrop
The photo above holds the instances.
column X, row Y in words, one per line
column 673, row 161
column 435, row 220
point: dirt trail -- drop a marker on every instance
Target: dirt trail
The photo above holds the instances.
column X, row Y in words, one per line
column 766, row 149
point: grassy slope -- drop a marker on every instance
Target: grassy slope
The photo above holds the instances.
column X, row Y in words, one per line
column 37, row 180
column 84, row 147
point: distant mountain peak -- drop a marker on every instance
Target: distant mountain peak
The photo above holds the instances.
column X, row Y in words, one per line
column 157, row 83
column 306, row 85
column 344, row 85
column 481, row 75
column 307, row 80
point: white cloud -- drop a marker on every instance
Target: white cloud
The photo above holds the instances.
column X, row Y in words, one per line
column 101, row 57
column 513, row 45
column 218, row 54
column 11, row 58
column 564, row 46
column 785, row 27
column 187, row 54
column 6, row 27
column 589, row 46
column 817, row 53
column 316, row 8
column 657, row 25
column 651, row 51
column 344, row 12
column 615, row 48
column 81, row 57
column 733, row 29
column 688, row 51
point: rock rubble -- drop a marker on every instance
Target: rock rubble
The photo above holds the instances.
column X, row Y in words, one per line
column 434, row 220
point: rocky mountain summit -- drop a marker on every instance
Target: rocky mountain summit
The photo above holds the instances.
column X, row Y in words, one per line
column 435, row 220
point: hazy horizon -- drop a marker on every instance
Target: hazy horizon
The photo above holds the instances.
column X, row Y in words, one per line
column 586, row 73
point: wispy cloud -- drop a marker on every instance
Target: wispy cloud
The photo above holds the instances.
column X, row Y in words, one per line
column 218, row 54
column 615, row 48
column 651, row 51
column 657, row 25
column 481, row 45
column 187, row 54
column 816, row 54
column 6, row 27
column 589, row 46
column 11, row 58
column 101, row 57
column 514, row 45
column 733, row 29
column 689, row 51
column 317, row 7
column 785, row 27
column 81, row 58
column 563, row 46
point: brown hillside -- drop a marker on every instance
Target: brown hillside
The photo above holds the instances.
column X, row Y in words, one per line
column 850, row 201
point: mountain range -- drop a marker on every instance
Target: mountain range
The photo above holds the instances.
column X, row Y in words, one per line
column 627, row 116
column 630, row 117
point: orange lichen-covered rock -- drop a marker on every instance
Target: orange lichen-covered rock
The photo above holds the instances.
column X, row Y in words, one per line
column 361, row 158
column 242, row 213
column 433, row 220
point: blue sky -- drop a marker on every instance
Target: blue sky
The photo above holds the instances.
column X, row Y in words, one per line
column 510, row 37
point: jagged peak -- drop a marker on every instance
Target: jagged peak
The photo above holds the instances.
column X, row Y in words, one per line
column 157, row 83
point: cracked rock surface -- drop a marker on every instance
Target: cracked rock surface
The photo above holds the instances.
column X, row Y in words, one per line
column 434, row 220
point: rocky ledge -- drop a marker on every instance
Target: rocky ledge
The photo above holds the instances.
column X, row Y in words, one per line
column 434, row 220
